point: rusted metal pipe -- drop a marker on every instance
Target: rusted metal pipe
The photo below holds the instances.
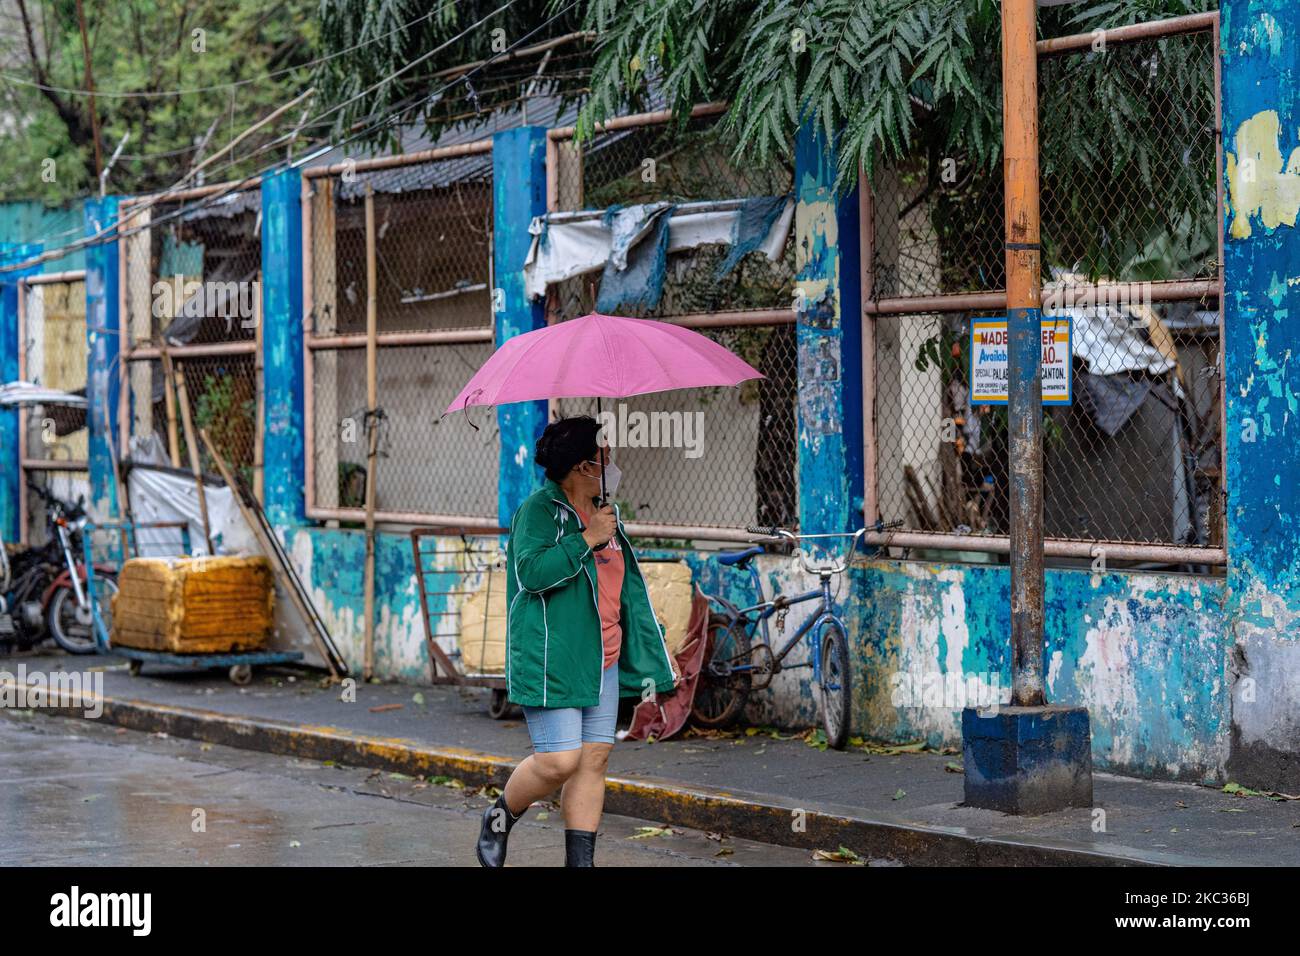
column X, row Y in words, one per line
column 142, row 352
column 50, row 278
column 639, row 119
column 1024, row 329
column 715, row 320
column 55, row 464
column 1055, row 548
column 1192, row 23
column 1162, row 290
column 867, row 269
column 391, row 339
column 473, row 148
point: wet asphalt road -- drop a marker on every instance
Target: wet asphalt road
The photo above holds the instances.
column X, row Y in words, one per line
column 82, row 794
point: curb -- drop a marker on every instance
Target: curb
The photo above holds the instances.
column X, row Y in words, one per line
column 762, row 817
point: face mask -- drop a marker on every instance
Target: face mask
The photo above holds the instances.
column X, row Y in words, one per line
column 612, row 475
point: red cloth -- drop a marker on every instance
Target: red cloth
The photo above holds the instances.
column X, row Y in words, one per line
column 665, row 715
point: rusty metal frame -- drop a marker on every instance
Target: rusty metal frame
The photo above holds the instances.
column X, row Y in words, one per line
column 312, row 343
column 1180, row 290
column 25, row 463
column 127, row 210
column 437, row 656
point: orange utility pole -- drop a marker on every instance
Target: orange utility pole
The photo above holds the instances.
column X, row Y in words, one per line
column 1024, row 329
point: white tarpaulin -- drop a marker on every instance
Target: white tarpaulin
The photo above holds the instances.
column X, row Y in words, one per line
column 580, row 245
column 1106, row 333
column 171, row 496
column 25, row 393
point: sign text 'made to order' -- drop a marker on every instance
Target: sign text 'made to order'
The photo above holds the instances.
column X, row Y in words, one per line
column 989, row 362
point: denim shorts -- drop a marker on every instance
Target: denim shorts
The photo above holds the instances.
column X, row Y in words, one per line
column 568, row 728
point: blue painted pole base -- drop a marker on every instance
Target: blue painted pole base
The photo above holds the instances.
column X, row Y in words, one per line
column 1027, row 760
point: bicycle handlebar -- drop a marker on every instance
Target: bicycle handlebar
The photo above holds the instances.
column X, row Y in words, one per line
column 772, row 531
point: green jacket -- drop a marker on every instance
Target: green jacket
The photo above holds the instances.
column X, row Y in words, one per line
column 554, row 651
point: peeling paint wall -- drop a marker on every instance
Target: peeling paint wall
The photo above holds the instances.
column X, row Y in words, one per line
column 518, row 195
column 828, row 338
column 1148, row 654
column 102, row 372
column 1261, row 143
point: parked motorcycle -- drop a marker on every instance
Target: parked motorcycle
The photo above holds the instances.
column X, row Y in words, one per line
column 43, row 590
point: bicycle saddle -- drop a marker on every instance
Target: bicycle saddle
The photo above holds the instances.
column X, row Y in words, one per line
column 730, row 558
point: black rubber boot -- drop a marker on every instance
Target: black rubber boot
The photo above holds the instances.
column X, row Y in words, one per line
column 493, row 833
column 579, row 847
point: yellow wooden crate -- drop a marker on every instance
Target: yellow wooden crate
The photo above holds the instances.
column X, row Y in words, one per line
column 194, row 605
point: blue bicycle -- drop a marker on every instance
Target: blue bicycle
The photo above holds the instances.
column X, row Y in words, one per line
column 737, row 663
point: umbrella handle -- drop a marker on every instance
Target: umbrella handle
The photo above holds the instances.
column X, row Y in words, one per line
column 599, row 503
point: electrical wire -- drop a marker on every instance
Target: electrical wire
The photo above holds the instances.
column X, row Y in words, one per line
column 104, row 235
column 159, row 94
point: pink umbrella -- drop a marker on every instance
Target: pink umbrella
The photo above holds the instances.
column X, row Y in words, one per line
column 605, row 356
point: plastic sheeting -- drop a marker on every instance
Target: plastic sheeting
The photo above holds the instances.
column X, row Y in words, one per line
column 166, row 494
column 576, row 246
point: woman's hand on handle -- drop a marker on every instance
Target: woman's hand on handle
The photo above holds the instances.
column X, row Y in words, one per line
column 601, row 528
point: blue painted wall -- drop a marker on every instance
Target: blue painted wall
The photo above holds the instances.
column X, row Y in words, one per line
column 33, row 221
column 829, row 341
column 282, row 375
column 1261, row 144
column 518, row 194
column 102, row 340
column 10, row 454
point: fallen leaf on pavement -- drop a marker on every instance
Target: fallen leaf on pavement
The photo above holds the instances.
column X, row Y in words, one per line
column 645, row 833
column 842, row 855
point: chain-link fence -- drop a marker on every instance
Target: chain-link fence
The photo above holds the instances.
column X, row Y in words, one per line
column 1130, row 213
column 432, row 249
column 53, row 438
column 1133, row 459
column 192, row 288
column 705, row 457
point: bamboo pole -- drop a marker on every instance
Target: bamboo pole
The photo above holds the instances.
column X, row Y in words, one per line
column 169, row 376
column 192, row 446
column 259, row 438
column 372, row 427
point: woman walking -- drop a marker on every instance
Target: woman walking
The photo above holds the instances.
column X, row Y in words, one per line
column 580, row 634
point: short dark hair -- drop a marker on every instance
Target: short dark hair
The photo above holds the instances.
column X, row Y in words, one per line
column 566, row 443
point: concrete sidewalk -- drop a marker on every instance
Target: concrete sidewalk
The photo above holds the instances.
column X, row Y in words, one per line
column 766, row 786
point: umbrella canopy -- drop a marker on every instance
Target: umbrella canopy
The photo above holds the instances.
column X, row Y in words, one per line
column 602, row 356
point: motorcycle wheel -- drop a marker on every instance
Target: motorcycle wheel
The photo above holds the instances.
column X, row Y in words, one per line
column 72, row 627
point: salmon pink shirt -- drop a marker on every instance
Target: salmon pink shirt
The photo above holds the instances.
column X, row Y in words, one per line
column 609, row 589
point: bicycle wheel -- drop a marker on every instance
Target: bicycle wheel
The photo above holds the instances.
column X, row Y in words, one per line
column 836, row 686
column 720, row 697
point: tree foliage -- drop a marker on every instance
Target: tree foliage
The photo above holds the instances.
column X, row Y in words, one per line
column 142, row 47
column 903, row 83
